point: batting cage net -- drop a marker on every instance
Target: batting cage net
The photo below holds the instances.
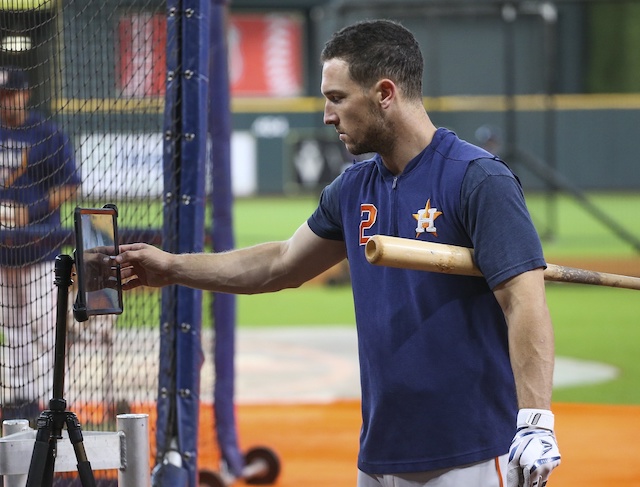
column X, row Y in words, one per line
column 91, row 112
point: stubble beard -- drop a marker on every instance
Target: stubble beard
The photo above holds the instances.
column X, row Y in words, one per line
column 377, row 137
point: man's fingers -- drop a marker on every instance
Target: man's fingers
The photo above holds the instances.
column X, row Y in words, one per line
column 526, row 473
column 127, row 273
column 533, row 480
column 129, row 253
column 105, row 249
column 144, row 264
column 538, row 482
column 129, row 279
column 135, row 246
column 124, row 258
column 542, row 475
column 132, row 283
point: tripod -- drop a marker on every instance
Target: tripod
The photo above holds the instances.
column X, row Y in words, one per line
column 51, row 421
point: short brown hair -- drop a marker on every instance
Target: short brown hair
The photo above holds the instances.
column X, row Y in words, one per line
column 376, row 49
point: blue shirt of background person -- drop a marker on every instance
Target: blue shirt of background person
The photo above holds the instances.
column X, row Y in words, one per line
column 37, row 174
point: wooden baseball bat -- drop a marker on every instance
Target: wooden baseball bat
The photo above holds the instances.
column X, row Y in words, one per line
column 405, row 253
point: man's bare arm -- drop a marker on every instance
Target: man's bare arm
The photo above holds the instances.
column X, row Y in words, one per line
column 20, row 212
column 262, row 268
column 531, row 341
column 62, row 194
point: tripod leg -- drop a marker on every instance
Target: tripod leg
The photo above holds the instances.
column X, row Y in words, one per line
column 43, row 456
column 75, row 436
column 84, row 466
column 47, row 478
column 39, row 460
column 86, row 474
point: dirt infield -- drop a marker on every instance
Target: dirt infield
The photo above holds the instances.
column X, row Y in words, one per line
column 314, row 430
column 317, row 443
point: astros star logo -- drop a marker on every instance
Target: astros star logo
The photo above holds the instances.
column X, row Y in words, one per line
column 426, row 218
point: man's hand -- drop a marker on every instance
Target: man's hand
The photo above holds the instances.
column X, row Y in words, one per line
column 99, row 269
column 143, row 265
column 534, row 450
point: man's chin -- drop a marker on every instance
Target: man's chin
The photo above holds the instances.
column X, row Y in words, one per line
column 356, row 150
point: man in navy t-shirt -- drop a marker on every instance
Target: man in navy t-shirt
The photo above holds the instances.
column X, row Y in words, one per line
column 37, row 174
column 456, row 371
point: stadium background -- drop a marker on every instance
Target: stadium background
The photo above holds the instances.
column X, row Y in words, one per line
column 554, row 84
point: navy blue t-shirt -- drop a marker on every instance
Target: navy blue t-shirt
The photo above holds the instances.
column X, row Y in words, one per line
column 437, row 385
column 34, row 159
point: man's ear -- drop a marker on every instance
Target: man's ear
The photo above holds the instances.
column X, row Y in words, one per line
column 387, row 92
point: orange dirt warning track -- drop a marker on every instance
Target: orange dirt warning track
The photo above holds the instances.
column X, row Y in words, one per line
column 317, row 443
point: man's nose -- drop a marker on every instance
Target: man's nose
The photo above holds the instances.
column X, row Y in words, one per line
column 330, row 117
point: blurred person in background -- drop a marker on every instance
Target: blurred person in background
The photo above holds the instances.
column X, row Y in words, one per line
column 37, row 175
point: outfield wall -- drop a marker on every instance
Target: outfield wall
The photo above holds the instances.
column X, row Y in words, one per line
column 282, row 146
column 280, row 143
column 590, row 139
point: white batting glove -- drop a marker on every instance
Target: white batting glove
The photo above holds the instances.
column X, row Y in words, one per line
column 534, row 450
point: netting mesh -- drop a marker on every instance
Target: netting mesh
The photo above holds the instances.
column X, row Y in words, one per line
column 90, row 74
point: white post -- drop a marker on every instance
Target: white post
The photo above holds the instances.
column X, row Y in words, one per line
column 9, row 427
column 136, row 470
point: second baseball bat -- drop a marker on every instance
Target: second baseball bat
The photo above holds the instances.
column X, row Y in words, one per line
column 452, row 259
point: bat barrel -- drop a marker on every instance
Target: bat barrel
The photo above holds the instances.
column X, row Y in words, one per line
column 406, row 253
column 419, row 255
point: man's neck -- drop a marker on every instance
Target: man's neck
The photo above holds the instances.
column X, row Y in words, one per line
column 417, row 135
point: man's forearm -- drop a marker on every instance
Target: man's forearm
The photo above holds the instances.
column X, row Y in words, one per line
column 531, row 341
column 60, row 195
column 262, row 268
column 531, row 348
column 252, row 270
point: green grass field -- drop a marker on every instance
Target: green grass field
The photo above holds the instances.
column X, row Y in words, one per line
column 591, row 323
column 581, row 233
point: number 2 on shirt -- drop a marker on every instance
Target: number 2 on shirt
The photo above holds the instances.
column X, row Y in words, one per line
column 368, row 215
